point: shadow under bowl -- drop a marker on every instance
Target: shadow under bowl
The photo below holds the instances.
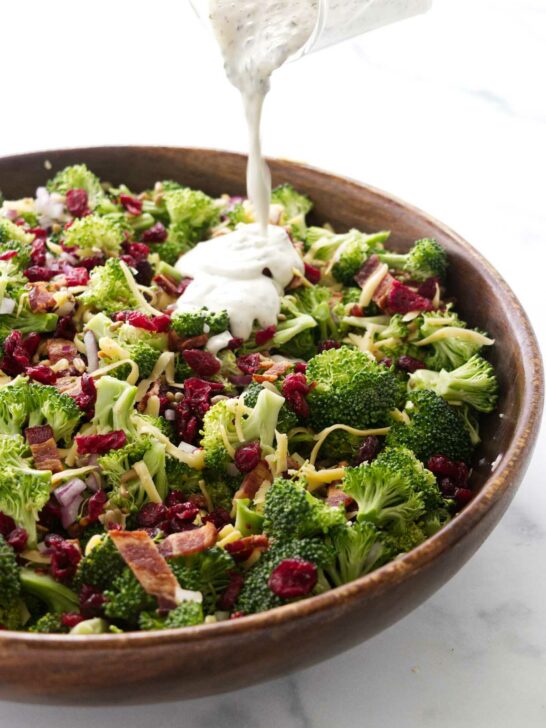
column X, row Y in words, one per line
column 199, row 661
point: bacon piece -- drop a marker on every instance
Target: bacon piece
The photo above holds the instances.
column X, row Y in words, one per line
column 391, row 295
column 39, row 298
column 58, row 349
column 195, row 342
column 274, row 372
column 186, row 543
column 150, row 568
column 68, row 385
column 367, row 269
column 253, row 480
column 337, row 497
column 44, row 448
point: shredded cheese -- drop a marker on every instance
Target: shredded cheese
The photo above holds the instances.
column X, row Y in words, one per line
column 321, row 436
column 204, row 491
column 317, row 478
column 93, row 542
column 281, row 454
column 372, row 284
column 135, row 290
column 228, row 534
column 239, row 411
column 153, row 406
column 111, row 349
column 69, row 474
column 227, row 444
column 132, row 377
column 141, row 469
column 400, row 416
column 195, row 459
column 160, row 366
column 455, row 332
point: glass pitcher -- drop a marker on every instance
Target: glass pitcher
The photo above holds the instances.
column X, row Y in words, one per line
column 339, row 20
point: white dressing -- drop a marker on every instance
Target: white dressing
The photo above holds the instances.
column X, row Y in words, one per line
column 228, row 274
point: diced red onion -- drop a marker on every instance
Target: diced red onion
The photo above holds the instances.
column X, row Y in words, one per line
column 92, row 351
column 170, row 415
column 93, row 482
column 186, row 447
column 7, row 305
column 68, row 492
column 70, row 512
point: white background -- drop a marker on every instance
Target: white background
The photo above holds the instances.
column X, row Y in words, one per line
column 447, row 111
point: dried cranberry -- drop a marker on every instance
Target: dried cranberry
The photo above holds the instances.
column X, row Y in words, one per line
column 463, row 496
column 31, row 343
column 229, row 597
column 300, row 367
column 8, row 255
column 95, row 505
column 88, row 396
column 132, row 204
column 328, row 344
column 66, row 328
column 264, row 335
column 16, row 358
column 202, row 362
column 76, row 276
column 409, row 364
column 138, row 251
column 100, row 444
column 38, row 232
column 38, row 252
column 249, row 363
column 219, row 517
column 50, row 515
column 41, row 374
column 237, row 615
column 151, row 514
column 387, row 362
column 401, row 299
column 51, row 540
column 311, row 273
column 18, row 539
column 71, row 619
column 77, row 202
column 444, row 467
column 242, row 549
column 428, row 288
column 235, row 343
column 295, row 389
column 357, row 310
column 92, row 601
column 40, row 273
column 293, row 578
column 157, row 324
column 7, row 525
column 65, row 557
column 144, row 273
column 156, row 234
column 368, row 450
column 179, row 517
column 92, row 261
column 447, row 487
column 247, row 457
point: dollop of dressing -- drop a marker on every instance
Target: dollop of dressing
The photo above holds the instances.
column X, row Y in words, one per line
column 244, row 273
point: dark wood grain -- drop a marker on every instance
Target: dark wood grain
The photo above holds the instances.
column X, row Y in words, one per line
column 203, row 660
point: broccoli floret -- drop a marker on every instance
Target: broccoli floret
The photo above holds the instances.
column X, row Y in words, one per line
column 258, row 424
column 353, row 252
column 114, row 406
column 403, row 541
column 57, row 597
column 145, row 357
column 292, row 512
column 27, row 322
column 316, row 301
column 13, row 611
column 191, row 210
column 12, row 233
column 247, row 520
column 445, row 342
column 221, row 489
column 100, row 567
column 286, row 421
column 126, row 598
column 360, row 548
column 425, row 260
column 187, row 614
column 341, row 445
column 402, row 460
column 173, row 248
column 295, row 208
column 49, row 623
column 435, row 428
column 349, row 389
column 79, row 177
column 187, row 324
column 385, row 497
column 94, row 234
column 51, row 407
column 108, row 289
column 289, row 330
column 23, row 490
column 130, row 493
column 206, row 572
column 473, row 383
column 256, row 596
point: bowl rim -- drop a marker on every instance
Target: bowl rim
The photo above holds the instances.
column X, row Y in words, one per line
column 512, row 464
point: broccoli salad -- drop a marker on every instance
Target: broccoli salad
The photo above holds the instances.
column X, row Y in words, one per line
column 150, row 478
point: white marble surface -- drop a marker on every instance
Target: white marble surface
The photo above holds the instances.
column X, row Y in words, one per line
column 448, row 111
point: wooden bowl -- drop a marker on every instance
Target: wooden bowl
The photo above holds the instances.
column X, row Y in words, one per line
column 198, row 661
